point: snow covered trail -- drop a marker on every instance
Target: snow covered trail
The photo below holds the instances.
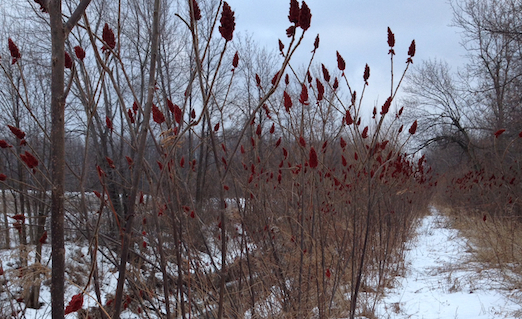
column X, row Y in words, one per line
column 440, row 282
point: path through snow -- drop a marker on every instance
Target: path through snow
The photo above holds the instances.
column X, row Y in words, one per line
column 440, row 281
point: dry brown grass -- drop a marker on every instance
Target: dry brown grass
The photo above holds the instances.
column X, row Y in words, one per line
column 494, row 243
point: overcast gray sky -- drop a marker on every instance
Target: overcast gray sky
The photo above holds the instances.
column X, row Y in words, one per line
column 357, row 29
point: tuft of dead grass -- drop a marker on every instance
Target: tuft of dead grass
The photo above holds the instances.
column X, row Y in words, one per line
column 29, row 276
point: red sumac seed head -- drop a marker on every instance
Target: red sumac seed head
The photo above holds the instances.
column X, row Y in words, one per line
column 348, row 119
column 287, row 101
column 293, row 16
column 274, row 79
column 341, row 64
column 13, row 49
column 170, row 106
column 131, row 116
column 75, row 304
column 228, row 23
column 499, row 132
column 17, row 132
column 157, row 115
column 108, row 122
column 342, row 142
column 326, row 74
column 320, row 90
column 366, row 75
column 178, row 116
column 386, row 106
column 43, row 238
column 400, row 111
column 68, row 61
column 411, row 49
column 108, row 38
column 313, row 162
column 235, row 61
column 29, row 159
column 303, row 98
column 4, row 144
column 100, row 171
column 391, row 38
column 365, row 132
column 411, row 52
column 305, row 17
column 79, row 52
column 110, row 162
column 413, row 128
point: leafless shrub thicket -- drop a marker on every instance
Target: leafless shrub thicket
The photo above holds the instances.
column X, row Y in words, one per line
column 216, row 180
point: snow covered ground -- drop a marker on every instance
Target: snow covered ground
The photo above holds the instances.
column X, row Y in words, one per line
column 441, row 282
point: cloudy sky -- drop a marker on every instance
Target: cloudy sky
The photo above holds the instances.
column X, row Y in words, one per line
column 357, row 29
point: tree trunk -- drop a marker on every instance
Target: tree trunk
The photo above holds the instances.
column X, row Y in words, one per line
column 59, row 32
column 57, row 158
column 6, row 222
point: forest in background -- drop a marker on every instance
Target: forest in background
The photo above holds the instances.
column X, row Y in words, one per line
column 221, row 181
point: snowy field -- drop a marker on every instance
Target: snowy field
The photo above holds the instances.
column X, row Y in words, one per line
column 440, row 281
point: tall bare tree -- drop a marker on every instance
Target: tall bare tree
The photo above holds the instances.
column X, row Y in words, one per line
column 443, row 106
column 60, row 30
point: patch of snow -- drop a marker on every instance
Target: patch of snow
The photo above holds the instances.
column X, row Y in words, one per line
column 441, row 283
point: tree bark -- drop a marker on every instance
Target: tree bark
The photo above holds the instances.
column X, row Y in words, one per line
column 57, row 159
